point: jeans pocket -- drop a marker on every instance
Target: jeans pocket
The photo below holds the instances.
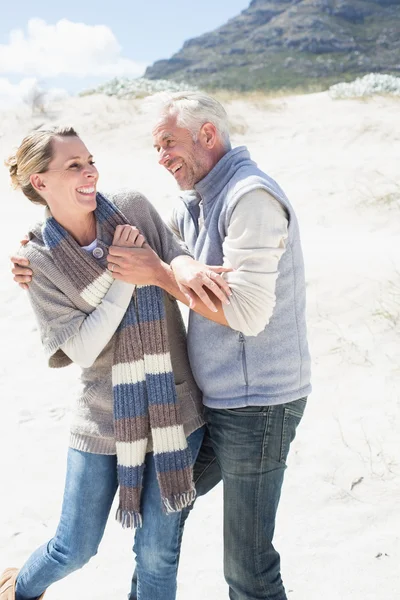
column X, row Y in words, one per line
column 247, row 411
column 293, row 413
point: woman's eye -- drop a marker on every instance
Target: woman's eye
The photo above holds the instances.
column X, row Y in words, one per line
column 77, row 166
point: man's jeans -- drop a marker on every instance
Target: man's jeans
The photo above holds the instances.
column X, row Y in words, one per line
column 91, row 484
column 247, row 448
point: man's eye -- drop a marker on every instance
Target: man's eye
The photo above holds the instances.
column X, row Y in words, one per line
column 92, row 162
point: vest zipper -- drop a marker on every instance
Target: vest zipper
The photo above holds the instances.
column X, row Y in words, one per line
column 195, row 221
column 244, row 361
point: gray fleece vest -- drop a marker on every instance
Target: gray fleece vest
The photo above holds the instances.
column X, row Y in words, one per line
column 231, row 369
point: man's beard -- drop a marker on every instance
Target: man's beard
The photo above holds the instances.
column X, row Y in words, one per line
column 196, row 171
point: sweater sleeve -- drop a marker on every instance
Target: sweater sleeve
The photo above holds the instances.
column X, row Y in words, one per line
column 173, row 224
column 255, row 242
column 99, row 326
column 60, row 321
column 141, row 213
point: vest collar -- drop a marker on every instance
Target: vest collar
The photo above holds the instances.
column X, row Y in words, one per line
column 214, row 182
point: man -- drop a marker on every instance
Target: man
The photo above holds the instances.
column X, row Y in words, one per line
column 249, row 357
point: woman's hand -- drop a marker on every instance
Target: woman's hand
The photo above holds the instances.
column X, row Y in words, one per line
column 128, row 236
column 140, row 266
column 131, row 259
column 197, row 280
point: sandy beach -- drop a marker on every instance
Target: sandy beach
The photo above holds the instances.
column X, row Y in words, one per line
column 338, row 526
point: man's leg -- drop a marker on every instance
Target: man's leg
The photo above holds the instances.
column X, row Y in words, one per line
column 157, row 542
column 91, row 483
column 251, row 445
column 206, row 471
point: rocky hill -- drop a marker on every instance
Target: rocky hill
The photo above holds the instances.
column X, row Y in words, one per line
column 286, row 43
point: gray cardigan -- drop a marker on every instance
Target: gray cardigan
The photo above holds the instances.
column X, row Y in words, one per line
column 59, row 312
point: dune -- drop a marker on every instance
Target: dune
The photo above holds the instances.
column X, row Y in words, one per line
column 338, row 523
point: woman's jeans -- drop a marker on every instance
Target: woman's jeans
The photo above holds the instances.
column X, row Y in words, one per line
column 90, row 487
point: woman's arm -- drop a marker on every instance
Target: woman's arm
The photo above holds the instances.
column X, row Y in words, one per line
column 98, row 328
column 141, row 213
column 68, row 333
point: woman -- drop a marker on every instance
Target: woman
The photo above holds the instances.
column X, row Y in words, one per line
column 138, row 392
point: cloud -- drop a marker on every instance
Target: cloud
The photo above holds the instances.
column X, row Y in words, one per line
column 26, row 91
column 66, row 48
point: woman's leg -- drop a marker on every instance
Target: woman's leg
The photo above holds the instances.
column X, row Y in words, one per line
column 90, row 486
column 157, row 542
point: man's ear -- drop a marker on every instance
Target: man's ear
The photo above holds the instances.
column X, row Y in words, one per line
column 37, row 182
column 208, row 134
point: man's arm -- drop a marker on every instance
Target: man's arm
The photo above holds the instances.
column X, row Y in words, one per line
column 20, row 269
column 255, row 242
column 256, row 239
column 142, row 266
column 169, row 248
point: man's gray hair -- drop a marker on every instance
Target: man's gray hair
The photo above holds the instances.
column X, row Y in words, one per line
column 192, row 110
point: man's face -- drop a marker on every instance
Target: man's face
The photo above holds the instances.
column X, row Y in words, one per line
column 188, row 161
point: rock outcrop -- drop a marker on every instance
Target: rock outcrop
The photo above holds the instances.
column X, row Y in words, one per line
column 285, row 43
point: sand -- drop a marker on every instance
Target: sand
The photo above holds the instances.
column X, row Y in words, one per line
column 338, row 523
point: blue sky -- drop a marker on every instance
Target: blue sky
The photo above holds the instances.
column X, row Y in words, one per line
column 76, row 44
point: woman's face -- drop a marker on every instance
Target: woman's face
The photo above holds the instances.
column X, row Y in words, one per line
column 69, row 184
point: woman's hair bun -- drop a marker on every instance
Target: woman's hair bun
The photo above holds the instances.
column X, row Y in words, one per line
column 12, row 165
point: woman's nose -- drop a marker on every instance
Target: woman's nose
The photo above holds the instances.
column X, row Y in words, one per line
column 91, row 171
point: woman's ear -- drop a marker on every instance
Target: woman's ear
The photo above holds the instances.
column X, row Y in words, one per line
column 37, row 182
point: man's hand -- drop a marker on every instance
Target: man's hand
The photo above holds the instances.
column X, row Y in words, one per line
column 196, row 280
column 20, row 268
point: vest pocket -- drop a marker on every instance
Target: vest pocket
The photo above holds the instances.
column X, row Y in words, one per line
column 242, row 342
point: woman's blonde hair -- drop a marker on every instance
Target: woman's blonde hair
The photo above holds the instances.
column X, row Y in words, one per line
column 34, row 155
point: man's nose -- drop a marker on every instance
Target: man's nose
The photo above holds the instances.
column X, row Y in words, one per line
column 163, row 157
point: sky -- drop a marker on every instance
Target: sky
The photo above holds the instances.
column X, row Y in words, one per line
column 75, row 45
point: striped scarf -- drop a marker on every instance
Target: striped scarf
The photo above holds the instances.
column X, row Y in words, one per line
column 144, row 391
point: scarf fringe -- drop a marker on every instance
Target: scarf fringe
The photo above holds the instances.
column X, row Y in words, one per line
column 179, row 501
column 129, row 519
